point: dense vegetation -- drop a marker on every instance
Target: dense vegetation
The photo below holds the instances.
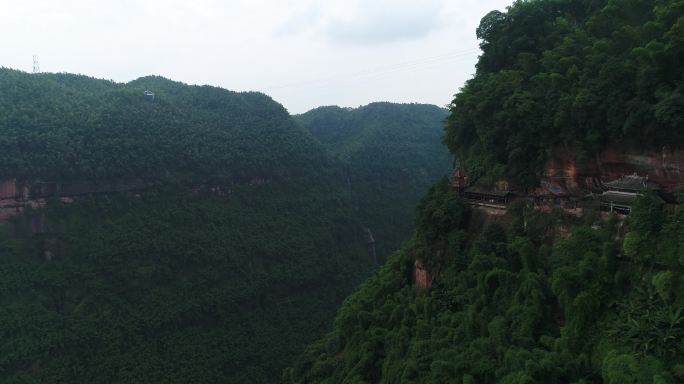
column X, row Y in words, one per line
column 536, row 297
column 222, row 270
column 514, row 303
column 392, row 153
column 175, row 287
column 63, row 126
column 233, row 261
column 570, row 73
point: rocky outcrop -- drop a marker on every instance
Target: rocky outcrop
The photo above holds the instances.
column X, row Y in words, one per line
column 663, row 167
column 565, row 175
column 18, row 195
column 422, row 278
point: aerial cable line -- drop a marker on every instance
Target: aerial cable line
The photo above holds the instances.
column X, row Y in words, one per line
column 383, row 69
column 384, row 74
column 411, row 64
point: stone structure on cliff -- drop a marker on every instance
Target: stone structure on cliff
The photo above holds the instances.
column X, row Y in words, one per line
column 620, row 194
column 498, row 196
column 610, row 181
column 421, row 276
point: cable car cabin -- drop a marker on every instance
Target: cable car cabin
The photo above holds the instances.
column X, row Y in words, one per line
column 149, row 95
column 480, row 195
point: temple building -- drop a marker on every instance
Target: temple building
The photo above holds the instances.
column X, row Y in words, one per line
column 559, row 189
column 478, row 195
column 620, row 194
column 485, row 196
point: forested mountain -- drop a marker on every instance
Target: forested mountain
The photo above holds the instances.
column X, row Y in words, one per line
column 392, row 153
column 233, row 257
column 64, row 126
column 578, row 74
column 533, row 296
column 236, row 242
column 175, row 286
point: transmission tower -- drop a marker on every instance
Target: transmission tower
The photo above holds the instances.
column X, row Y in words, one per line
column 36, row 67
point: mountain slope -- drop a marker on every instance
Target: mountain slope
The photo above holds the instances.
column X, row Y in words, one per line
column 198, row 236
column 529, row 296
column 514, row 302
column 229, row 257
column 570, row 74
column 392, row 153
column 69, row 127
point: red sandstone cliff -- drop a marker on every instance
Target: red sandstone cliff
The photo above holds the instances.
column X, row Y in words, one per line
column 16, row 195
column 422, row 278
column 564, row 175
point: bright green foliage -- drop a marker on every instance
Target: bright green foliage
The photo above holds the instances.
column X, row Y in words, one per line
column 663, row 283
column 570, row 73
column 505, row 309
column 392, row 153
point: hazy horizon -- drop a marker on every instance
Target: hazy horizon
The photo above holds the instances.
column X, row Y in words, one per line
column 304, row 54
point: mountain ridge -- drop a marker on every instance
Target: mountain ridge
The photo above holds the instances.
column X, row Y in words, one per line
column 202, row 235
column 528, row 295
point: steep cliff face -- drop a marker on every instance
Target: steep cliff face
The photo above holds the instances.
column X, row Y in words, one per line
column 662, row 167
column 422, row 278
column 545, row 298
column 17, row 195
column 507, row 306
column 565, row 173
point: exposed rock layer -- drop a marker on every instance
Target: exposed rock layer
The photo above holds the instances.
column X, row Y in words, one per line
column 565, row 174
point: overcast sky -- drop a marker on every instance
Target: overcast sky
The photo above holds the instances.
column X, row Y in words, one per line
column 304, row 53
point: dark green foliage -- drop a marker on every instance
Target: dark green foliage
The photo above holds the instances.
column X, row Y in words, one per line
column 570, row 73
column 392, row 153
column 536, row 297
column 204, row 277
column 227, row 266
column 62, row 126
column 175, row 287
column 181, row 284
column 509, row 314
column 439, row 213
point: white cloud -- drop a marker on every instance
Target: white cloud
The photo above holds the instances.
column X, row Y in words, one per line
column 386, row 22
column 300, row 20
